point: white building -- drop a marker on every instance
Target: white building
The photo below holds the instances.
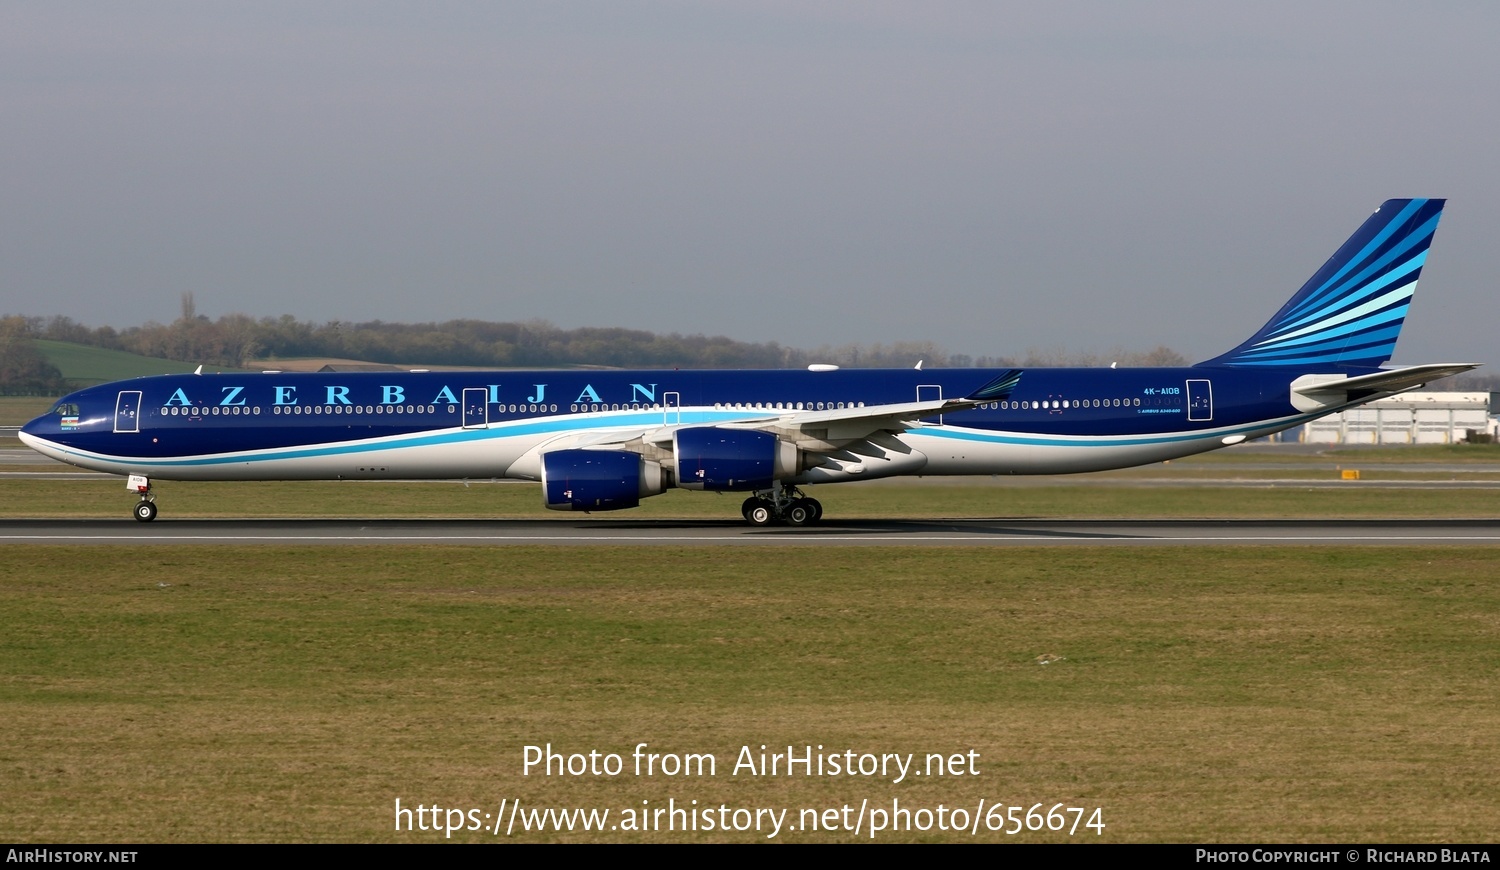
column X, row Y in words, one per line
column 1410, row 418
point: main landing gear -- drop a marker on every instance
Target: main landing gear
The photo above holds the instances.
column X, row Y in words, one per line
column 781, row 505
column 145, row 509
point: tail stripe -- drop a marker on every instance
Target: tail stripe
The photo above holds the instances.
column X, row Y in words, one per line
column 1350, row 313
column 1324, row 342
column 1354, row 294
column 1353, row 340
column 1304, row 352
column 1422, row 236
column 1373, row 246
column 1371, row 313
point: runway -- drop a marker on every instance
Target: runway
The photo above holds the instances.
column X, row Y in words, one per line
column 697, row 533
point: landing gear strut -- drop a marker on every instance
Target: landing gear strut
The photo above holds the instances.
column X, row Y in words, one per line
column 145, row 509
column 781, row 504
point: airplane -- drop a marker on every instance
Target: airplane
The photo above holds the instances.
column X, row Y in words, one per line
column 601, row 440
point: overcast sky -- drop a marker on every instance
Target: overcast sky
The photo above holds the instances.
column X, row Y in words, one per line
column 989, row 176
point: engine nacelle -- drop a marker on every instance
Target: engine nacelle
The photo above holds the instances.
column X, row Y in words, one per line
column 731, row 460
column 598, row 480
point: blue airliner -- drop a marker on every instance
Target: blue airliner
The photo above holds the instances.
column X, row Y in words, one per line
column 604, row 440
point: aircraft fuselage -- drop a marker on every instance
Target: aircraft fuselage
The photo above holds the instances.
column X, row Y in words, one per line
column 484, row 424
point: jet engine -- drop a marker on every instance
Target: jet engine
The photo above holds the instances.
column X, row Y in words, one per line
column 731, row 460
column 598, row 480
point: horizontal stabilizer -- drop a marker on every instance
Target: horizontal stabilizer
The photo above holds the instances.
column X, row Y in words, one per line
column 1316, row 392
column 1392, row 380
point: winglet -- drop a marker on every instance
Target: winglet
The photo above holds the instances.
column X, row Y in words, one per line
column 1000, row 387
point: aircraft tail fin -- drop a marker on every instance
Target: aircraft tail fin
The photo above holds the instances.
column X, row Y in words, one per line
column 1351, row 311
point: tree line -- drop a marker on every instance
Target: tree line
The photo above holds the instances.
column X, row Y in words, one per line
column 24, row 370
column 239, row 341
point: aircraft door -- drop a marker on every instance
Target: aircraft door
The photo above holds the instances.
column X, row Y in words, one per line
column 671, row 412
column 128, row 411
column 1200, row 396
column 476, row 408
column 931, row 393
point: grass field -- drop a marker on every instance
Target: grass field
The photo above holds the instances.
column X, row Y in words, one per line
column 17, row 410
column 1462, row 452
column 240, row 693
column 283, row 694
column 82, row 364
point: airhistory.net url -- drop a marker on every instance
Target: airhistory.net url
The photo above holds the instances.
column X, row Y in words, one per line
column 512, row 818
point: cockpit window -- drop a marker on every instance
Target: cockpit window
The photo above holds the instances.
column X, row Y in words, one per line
column 66, row 409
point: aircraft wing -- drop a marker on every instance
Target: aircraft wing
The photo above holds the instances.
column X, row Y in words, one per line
column 843, row 424
column 840, row 424
column 833, row 425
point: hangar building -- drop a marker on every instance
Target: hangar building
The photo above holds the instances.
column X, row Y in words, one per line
column 1410, row 418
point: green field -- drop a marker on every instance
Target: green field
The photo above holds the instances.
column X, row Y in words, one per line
column 1462, row 452
column 18, row 410
column 84, row 365
column 286, row 694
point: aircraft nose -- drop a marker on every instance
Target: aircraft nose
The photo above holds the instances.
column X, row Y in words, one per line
column 47, row 427
column 35, row 429
column 45, row 435
column 30, row 432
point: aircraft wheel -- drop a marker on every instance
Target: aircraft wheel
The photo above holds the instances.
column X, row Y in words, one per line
column 748, row 506
column 801, row 513
column 145, row 511
column 816, row 507
column 761, row 515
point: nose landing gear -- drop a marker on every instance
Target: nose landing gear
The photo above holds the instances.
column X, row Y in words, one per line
column 145, row 509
